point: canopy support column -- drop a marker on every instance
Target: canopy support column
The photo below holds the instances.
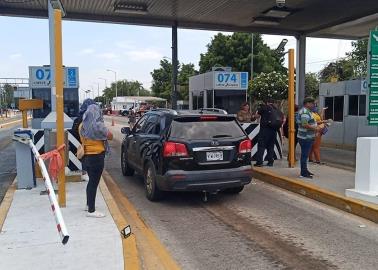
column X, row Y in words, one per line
column 174, row 67
column 300, row 69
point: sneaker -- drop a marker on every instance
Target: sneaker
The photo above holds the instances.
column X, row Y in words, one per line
column 84, row 177
column 96, row 214
column 310, row 173
column 270, row 164
column 308, row 176
column 259, row 165
column 86, row 208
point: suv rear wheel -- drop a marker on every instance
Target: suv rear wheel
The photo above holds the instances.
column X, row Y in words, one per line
column 126, row 169
column 235, row 190
column 153, row 193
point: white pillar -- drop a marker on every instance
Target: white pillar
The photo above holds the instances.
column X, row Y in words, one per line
column 366, row 177
column 300, row 70
column 52, row 56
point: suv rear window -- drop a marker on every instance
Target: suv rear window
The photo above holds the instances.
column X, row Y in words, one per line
column 202, row 130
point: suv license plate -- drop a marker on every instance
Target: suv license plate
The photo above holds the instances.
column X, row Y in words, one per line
column 213, row 156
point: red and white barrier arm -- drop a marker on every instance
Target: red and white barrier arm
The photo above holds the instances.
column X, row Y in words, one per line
column 60, row 225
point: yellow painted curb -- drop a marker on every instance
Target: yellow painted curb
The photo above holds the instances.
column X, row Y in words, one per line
column 130, row 251
column 6, row 203
column 353, row 206
column 164, row 258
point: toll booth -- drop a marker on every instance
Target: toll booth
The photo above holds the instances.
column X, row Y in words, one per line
column 220, row 88
column 39, row 83
column 347, row 107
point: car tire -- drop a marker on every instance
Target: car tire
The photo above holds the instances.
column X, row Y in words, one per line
column 126, row 169
column 153, row 193
column 234, row 190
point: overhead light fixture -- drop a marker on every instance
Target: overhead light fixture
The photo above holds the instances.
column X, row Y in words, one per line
column 265, row 21
column 131, row 8
column 280, row 13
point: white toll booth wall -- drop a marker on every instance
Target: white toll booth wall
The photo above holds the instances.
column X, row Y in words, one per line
column 347, row 106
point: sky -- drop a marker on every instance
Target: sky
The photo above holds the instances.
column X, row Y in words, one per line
column 132, row 51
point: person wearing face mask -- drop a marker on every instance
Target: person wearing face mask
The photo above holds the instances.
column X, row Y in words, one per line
column 314, row 155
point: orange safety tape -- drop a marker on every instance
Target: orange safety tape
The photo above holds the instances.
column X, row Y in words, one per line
column 55, row 161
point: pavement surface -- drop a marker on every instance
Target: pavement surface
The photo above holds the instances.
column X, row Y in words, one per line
column 264, row 227
column 326, row 177
column 29, row 238
column 8, row 157
column 331, row 156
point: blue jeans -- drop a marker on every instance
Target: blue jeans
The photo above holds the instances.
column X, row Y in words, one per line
column 305, row 151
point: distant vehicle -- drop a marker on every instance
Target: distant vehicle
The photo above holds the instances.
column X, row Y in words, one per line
column 187, row 151
column 107, row 110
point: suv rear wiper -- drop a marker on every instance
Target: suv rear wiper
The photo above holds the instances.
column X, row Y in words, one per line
column 222, row 136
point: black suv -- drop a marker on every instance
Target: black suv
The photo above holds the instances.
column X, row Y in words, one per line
column 187, row 151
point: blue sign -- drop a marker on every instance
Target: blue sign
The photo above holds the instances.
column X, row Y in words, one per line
column 71, row 77
column 230, row 80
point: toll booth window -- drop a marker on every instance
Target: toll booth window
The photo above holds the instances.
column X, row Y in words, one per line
column 353, row 105
column 338, row 109
column 328, row 103
column 362, row 105
column 357, row 105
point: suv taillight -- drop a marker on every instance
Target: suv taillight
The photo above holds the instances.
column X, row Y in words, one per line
column 172, row 149
column 245, row 146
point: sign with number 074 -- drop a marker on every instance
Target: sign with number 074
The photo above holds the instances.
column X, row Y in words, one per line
column 230, row 80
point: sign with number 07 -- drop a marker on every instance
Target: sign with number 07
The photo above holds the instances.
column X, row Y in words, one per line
column 230, row 80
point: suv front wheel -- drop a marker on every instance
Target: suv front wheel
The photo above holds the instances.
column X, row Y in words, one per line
column 153, row 193
column 126, row 169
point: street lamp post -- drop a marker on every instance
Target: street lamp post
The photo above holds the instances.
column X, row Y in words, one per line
column 116, row 88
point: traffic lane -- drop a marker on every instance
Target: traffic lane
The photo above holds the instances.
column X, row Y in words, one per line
column 195, row 238
column 342, row 240
column 7, row 160
column 212, row 235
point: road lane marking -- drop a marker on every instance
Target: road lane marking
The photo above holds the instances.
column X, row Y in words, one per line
column 6, row 203
column 152, row 245
column 130, row 251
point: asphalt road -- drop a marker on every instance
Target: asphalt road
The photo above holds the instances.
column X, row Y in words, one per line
column 264, row 227
column 8, row 158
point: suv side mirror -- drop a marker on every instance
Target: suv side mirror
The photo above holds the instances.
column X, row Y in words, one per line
column 126, row 130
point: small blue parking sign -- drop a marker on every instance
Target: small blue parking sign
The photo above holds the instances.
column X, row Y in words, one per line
column 71, row 76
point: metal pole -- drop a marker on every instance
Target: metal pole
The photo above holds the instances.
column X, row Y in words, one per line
column 251, row 56
column 174, row 66
column 59, row 101
column 291, row 119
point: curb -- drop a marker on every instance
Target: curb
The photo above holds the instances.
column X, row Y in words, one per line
column 130, row 251
column 353, row 206
column 6, row 203
column 158, row 257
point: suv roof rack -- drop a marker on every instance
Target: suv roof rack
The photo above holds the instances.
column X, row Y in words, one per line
column 165, row 110
column 213, row 110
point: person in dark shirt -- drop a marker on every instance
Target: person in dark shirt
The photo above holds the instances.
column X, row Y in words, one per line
column 271, row 119
column 75, row 130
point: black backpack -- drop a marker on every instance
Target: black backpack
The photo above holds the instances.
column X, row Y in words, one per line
column 275, row 118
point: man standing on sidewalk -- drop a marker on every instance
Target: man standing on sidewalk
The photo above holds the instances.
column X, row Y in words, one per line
column 271, row 120
column 307, row 128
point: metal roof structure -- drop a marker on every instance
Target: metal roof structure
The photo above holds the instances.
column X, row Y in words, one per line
column 315, row 18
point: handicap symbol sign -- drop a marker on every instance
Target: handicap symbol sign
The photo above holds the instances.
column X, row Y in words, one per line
column 71, row 76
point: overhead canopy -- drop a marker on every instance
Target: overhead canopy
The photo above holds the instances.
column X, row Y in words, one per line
column 316, row 18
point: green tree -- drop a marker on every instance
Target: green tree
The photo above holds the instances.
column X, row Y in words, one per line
column 273, row 85
column 235, row 51
column 7, row 96
column 125, row 88
column 358, row 56
column 312, row 85
column 186, row 71
column 162, row 79
column 341, row 70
